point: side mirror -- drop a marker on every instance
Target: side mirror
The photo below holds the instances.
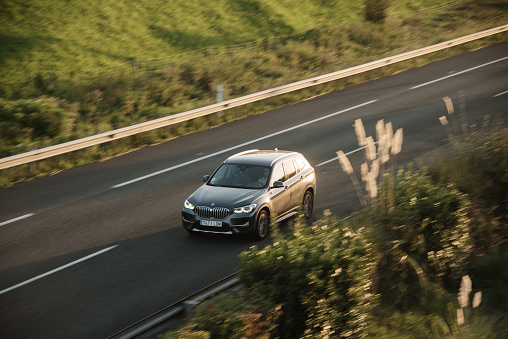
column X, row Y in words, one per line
column 278, row 184
column 205, row 178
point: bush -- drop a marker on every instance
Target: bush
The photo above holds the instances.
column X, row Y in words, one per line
column 318, row 280
column 424, row 240
column 33, row 119
column 375, row 10
column 227, row 316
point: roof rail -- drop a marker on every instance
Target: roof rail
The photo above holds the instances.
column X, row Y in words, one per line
column 244, row 152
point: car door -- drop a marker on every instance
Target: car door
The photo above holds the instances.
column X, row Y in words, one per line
column 291, row 183
column 299, row 185
column 280, row 197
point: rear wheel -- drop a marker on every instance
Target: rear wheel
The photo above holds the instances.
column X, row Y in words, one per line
column 262, row 224
column 308, row 204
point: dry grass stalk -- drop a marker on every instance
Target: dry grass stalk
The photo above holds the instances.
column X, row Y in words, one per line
column 465, row 288
column 344, row 162
column 375, row 158
column 365, row 171
column 449, row 105
column 462, row 114
column 454, row 124
column 360, row 132
column 397, row 142
column 388, row 135
column 383, row 145
column 370, row 150
column 460, row 316
column 346, row 167
column 370, row 177
column 448, row 129
column 477, row 299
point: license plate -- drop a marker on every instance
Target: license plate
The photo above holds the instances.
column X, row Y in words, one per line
column 211, row 223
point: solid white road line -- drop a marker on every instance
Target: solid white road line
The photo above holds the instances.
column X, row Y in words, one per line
column 500, row 94
column 16, row 219
column 458, row 73
column 242, row 145
column 57, row 269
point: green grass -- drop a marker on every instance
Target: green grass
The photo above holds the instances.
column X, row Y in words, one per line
column 77, row 37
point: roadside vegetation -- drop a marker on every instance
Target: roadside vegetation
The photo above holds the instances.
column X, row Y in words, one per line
column 73, row 69
column 425, row 257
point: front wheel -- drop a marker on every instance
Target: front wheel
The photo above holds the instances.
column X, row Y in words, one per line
column 262, row 224
column 308, row 204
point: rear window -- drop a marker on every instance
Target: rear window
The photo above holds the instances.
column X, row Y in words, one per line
column 300, row 163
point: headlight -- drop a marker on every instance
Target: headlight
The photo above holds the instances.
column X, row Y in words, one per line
column 245, row 209
column 188, row 205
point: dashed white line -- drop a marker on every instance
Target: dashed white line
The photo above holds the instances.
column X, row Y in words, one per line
column 348, row 153
column 57, row 269
column 16, row 219
column 497, row 95
column 242, row 145
column 458, row 73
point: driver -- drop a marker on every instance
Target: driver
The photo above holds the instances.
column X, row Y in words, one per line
column 262, row 181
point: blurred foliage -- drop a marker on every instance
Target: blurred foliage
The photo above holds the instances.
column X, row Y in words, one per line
column 318, row 280
column 376, row 10
column 479, row 168
column 424, row 240
column 230, row 315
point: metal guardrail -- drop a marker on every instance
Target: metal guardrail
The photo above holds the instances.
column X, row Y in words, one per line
column 74, row 145
column 180, row 307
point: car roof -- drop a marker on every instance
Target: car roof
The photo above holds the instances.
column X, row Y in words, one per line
column 260, row 157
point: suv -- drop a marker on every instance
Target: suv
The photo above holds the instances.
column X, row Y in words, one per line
column 250, row 189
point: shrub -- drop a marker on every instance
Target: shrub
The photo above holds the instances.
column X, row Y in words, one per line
column 226, row 316
column 318, row 279
column 424, row 240
column 33, row 120
column 375, row 10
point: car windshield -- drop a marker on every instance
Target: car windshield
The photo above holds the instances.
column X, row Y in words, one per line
column 240, row 176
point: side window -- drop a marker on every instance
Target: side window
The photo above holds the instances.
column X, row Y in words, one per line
column 289, row 167
column 278, row 174
column 298, row 168
column 300, row 162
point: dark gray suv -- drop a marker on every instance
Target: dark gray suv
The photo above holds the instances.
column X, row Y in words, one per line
column 250, row 190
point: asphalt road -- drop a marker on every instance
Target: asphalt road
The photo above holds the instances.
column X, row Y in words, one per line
column 91, row 250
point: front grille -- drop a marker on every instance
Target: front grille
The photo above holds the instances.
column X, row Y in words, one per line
column 212, row 213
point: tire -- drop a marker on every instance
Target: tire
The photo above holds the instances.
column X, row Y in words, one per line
column 308, row 204
column 262, row 224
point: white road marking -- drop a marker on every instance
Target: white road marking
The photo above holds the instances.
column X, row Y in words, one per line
column 500, row 94
column 241, row 145
column 348, row 153
column 458, row 73
column 57, row 269
column 16, row 219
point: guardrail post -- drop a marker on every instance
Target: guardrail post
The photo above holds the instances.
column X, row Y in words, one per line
column 220, row 89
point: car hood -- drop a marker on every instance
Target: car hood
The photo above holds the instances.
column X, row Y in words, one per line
column 228, row 197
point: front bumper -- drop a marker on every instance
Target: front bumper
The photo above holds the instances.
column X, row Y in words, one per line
column 234, row 224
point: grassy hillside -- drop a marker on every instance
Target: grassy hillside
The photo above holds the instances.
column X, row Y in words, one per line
column 75, row 36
